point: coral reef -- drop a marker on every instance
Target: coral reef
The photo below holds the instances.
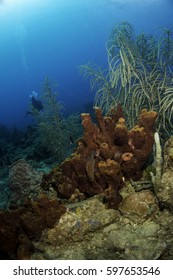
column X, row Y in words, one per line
column 104, row 213
column 105, row 155
column 106, row 209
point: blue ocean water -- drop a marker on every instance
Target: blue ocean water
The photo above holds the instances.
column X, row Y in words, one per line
column 51, row 38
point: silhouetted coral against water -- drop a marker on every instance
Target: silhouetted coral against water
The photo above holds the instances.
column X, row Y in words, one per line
column 105, row 156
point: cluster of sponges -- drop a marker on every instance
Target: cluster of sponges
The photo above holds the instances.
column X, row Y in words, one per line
column 106, row 155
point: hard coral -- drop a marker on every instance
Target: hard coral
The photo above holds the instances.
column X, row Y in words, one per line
column 24, row 182
column 105, row 154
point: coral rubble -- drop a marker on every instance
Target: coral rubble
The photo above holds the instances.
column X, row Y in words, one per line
column 106, row 155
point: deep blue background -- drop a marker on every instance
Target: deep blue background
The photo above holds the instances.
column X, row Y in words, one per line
column 51, row 38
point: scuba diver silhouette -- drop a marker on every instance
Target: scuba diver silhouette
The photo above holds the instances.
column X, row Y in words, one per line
column 37, row 104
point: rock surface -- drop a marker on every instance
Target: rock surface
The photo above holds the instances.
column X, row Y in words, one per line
column 90, row 231
column 165, row 188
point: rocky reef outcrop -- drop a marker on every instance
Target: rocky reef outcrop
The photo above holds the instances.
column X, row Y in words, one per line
column 24, row 182
column 91, row 231
column 97, row 204
column 164, row 186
